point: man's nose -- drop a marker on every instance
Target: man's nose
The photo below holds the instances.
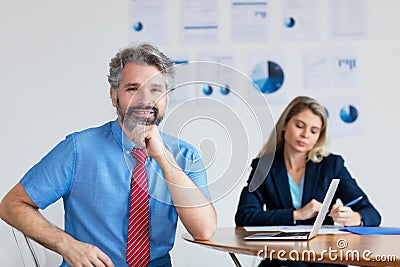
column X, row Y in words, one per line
column 143, row 96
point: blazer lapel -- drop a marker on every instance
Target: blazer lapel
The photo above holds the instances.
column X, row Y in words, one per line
column 280, row 180
column 310, row 182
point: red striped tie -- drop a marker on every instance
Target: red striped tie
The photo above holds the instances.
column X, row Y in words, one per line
column 138, row 245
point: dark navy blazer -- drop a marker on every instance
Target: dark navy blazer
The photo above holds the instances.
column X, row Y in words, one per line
column 274, row 193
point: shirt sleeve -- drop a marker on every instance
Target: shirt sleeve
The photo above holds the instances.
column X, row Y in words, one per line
column 50, row 178
column 195, row 170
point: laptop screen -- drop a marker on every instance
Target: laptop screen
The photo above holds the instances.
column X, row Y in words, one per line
column 325, row 207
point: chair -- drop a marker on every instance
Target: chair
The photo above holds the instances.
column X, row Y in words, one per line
column 32, row 253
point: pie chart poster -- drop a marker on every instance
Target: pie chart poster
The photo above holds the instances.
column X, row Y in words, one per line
column 267, row 70
column 344, row 116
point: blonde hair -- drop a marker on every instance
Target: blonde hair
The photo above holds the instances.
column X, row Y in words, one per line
column 296, row 106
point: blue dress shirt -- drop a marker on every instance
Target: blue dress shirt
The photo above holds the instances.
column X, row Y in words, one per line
column 91, row 170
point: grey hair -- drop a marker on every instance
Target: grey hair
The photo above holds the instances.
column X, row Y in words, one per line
column 143, row 54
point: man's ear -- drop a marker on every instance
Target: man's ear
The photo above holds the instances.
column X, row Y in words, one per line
column 113, row 96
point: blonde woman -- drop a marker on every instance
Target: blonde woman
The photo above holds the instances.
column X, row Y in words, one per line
column 291, row 189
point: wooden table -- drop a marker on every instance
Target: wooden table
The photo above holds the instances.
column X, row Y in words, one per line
column 351, row 249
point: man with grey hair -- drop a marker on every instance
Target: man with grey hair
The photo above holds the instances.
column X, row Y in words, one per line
column 123, row 184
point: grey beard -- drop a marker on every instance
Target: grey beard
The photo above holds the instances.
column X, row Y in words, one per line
column 130, row 121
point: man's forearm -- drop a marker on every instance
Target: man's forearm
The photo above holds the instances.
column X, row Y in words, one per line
column 194, row 209
column 18, row 211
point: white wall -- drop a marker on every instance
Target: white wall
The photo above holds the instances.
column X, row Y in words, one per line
column 54, row 57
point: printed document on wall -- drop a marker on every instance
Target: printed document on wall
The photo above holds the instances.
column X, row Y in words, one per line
column 182, row 90
column 301, row 20
column 200, row 22
column 344, row 116
column 330, row 69
column 148, row 21
column 222, row 84
column 348, row 19
column 250, row 21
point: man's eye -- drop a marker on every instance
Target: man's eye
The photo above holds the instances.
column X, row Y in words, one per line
column 156, row 90
column 132, row 89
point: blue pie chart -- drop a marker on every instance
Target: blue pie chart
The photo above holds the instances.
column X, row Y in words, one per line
column 207, row 89
column 348, row 114
column 225, row 90
column 268, row 76
column 138, row 26
column 290, row 22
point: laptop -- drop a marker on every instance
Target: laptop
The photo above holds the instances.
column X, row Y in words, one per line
column 302, row 235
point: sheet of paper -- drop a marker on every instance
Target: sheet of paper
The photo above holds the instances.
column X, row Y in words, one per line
column 221, row 76
column 200, row 22
column 325, row 229
column 149, row 21
column 344, row 115
column 250, row 21
column 301, row 20
column 348, row 19
column 335, row 69
column 183, row 91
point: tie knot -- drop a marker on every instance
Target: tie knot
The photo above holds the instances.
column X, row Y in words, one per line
column 139, row 155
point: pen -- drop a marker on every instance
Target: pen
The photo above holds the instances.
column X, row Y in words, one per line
column 354, row 201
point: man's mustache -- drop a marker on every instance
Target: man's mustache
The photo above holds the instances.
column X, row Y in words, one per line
column 140, row 107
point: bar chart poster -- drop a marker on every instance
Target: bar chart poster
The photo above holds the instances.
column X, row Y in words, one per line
column 331, row 69
column 267, row 71
column 250, row 22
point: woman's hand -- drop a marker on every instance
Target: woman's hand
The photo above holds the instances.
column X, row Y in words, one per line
column 345, row 215
column 308, row 211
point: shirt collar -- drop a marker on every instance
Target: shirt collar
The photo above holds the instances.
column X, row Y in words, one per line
column 122, row 139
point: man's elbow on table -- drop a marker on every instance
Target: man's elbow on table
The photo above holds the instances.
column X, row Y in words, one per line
column 205, row 234
column 205, row 230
